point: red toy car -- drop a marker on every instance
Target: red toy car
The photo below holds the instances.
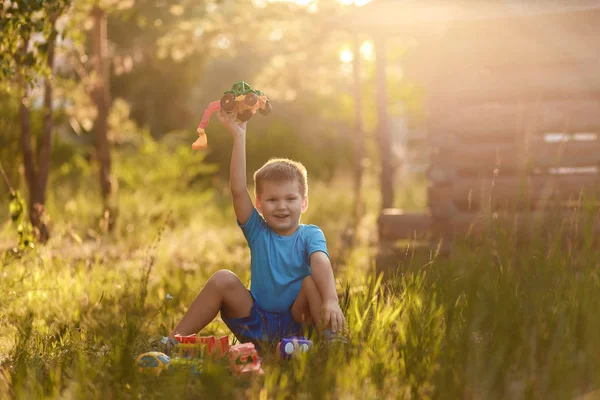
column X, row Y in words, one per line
column 243, row 359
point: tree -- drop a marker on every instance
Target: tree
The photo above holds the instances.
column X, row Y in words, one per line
column 101, row 97
column 96, row 78
column 29, row 52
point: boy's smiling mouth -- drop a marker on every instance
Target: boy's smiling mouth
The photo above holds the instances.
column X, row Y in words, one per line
column 281, row 216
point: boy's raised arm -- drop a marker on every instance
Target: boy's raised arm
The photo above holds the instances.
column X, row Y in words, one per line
column 242, row 203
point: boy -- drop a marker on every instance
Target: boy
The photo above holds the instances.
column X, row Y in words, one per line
column 292, row 280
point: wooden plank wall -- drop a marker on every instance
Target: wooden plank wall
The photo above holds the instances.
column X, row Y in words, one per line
column 514, row 124
column 546, row 166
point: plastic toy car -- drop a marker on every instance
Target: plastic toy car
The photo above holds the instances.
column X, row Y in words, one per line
column 292, row 346
column 191, row 352
column 217, row 347
column 243, row 359
column 186, row 339
column 153, row 363
column 242, row 100
column 245, row 101
column 193, row 346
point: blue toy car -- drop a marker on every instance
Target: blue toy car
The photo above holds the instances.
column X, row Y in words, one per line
column 292, row 346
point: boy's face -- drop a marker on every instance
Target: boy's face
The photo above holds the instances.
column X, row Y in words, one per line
column 281, row 205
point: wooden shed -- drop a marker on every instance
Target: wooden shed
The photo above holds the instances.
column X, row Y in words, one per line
column 513, row 115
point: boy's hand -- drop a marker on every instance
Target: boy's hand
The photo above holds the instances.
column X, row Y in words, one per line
column 332, row 314
column 229, row 122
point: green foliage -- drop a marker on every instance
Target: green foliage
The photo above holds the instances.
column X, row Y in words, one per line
column 20, row 21
column 18, row 215
column 10, row 154
column 167, row 164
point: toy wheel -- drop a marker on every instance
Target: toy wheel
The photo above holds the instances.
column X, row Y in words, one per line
column 289, row 348
column 266, row 110
column 228, row 102
column 244, row 115
column 251, row 99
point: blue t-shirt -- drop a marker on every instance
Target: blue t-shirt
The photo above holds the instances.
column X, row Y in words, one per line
column 279, row 263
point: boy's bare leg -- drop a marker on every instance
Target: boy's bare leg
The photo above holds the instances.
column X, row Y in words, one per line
column 307, row 306
column 223, row 290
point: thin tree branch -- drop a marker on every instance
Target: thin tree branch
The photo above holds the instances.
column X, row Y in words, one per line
column 10, row 188
column 28, row 157
column 78, row 66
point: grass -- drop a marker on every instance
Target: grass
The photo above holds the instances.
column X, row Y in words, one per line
column 494, row 321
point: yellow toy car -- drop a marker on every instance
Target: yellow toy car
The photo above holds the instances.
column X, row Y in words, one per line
column 153, row 363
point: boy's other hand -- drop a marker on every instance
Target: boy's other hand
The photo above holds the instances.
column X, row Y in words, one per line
column 333, row 316
column 229, row 121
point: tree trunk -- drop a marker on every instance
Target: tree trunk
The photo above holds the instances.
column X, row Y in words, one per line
column 44, row 149
column 35, row 203
column 37, row 170
column 384, row 136
column 101, row 96
column 358, row 131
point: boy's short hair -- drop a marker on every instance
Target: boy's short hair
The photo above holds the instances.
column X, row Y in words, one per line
column 281, row 170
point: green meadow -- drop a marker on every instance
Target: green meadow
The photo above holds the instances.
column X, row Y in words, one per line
column 496, row 320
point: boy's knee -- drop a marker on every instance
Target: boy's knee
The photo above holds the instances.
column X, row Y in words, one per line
column 309, row 287
column 308, row 283
column 223, row 279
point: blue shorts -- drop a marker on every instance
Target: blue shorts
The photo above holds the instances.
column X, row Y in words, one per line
column 263, row 328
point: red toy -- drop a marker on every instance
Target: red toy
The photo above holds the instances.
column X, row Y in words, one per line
column 216, row 347
column 243, row 359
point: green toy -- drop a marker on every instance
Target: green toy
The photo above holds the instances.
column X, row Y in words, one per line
column 241, row 99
